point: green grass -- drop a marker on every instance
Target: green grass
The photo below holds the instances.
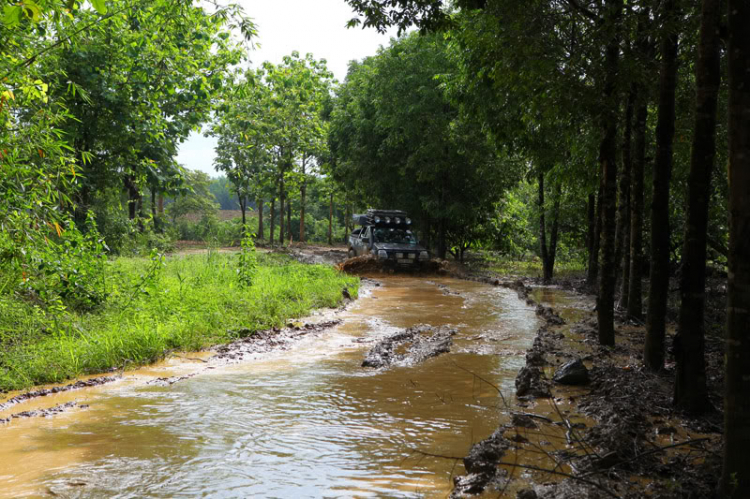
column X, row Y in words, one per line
column 534, row 268
column 528, row 267
column 193, row 302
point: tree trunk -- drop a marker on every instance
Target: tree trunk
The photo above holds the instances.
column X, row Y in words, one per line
column 690, row 389
column 591, row 217
column 552, row 251
column 592, row 276
column 442, row 246
column 133, row 196
column 302, row 198
column 273, row 220
column 592, row 273
column 302, row 194
column 546, row 273
column 635, row 293
column 622, row 246
column 259, row 202
column 347, row 218
column 735, row 482
column 243, row 206
column 653, row 354
column 289, row 221
column 281, row 209
column 161, row 204
column 330, row 221
column 608, row 159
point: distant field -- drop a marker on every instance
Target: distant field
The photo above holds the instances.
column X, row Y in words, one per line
column 223, row 215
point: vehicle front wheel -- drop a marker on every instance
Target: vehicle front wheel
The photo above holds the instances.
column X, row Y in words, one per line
column 351, row 253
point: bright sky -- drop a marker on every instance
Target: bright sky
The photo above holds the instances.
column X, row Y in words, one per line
column 315, row 26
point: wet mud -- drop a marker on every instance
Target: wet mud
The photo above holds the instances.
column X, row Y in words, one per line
column 44, row 413
column 269, row 340
column 368, row 264
column 623, row 438
column 410, row 347
column 78, row 385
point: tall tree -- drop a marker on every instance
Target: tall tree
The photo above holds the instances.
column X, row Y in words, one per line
column 622, row 245
column 653, row 355
column 690, row 390
column 635, row 293
column 608, row 161
column 735, row 480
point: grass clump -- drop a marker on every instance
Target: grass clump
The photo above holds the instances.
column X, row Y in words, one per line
column 154, row 306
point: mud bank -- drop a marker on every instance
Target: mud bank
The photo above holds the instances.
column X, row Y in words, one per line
column 418, row 343
column 632, row 442
column 25, row 397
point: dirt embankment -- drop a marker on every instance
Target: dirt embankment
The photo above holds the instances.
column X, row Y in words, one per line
column 632, row 444
column 411, row 346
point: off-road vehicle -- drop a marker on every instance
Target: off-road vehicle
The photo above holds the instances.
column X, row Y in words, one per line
column 387, row 235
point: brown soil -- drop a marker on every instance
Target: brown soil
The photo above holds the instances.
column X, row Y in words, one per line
column 24, row 397
column 44, row 413
column 368, row 264
column 639, row 446
column 268, row 340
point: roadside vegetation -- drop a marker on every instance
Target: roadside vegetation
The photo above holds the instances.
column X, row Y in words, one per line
column 157, row 305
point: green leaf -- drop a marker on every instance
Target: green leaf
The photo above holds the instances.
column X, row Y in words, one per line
column 100, row 6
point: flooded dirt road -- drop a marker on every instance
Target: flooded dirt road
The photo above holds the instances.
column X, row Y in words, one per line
column 305, row 422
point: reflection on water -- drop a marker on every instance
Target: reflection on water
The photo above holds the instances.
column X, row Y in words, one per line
column 304, row 422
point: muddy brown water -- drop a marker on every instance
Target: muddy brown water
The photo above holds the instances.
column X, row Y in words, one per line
column 305, row 422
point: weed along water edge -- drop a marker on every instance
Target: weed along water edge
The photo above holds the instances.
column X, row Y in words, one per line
column 158, row 305
column 303, row 420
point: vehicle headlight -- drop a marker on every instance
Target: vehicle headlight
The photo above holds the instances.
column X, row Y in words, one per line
column 398, row 220
column 377, row 220
column 424, row 255
column 408, row 221
column 399, row 255
column 382, row 254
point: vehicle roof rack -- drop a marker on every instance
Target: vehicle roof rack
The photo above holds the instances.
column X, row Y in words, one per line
column 383, row 218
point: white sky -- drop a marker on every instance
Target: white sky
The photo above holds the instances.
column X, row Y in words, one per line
column 315, row 26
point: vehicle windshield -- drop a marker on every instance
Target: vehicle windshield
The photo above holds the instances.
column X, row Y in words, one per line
column 395, row 236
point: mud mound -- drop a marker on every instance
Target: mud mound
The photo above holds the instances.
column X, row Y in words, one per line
column 368, row 264
column 364, row 264
column 410, row 347
column 481, row 466
column 58, row 389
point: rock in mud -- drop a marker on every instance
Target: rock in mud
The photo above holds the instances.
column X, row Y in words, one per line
column 530, row 382
column 481, row 465
column 526, row 494
column 549, row 315
column 572, row 373
column 523, row 421
column 421, row 342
